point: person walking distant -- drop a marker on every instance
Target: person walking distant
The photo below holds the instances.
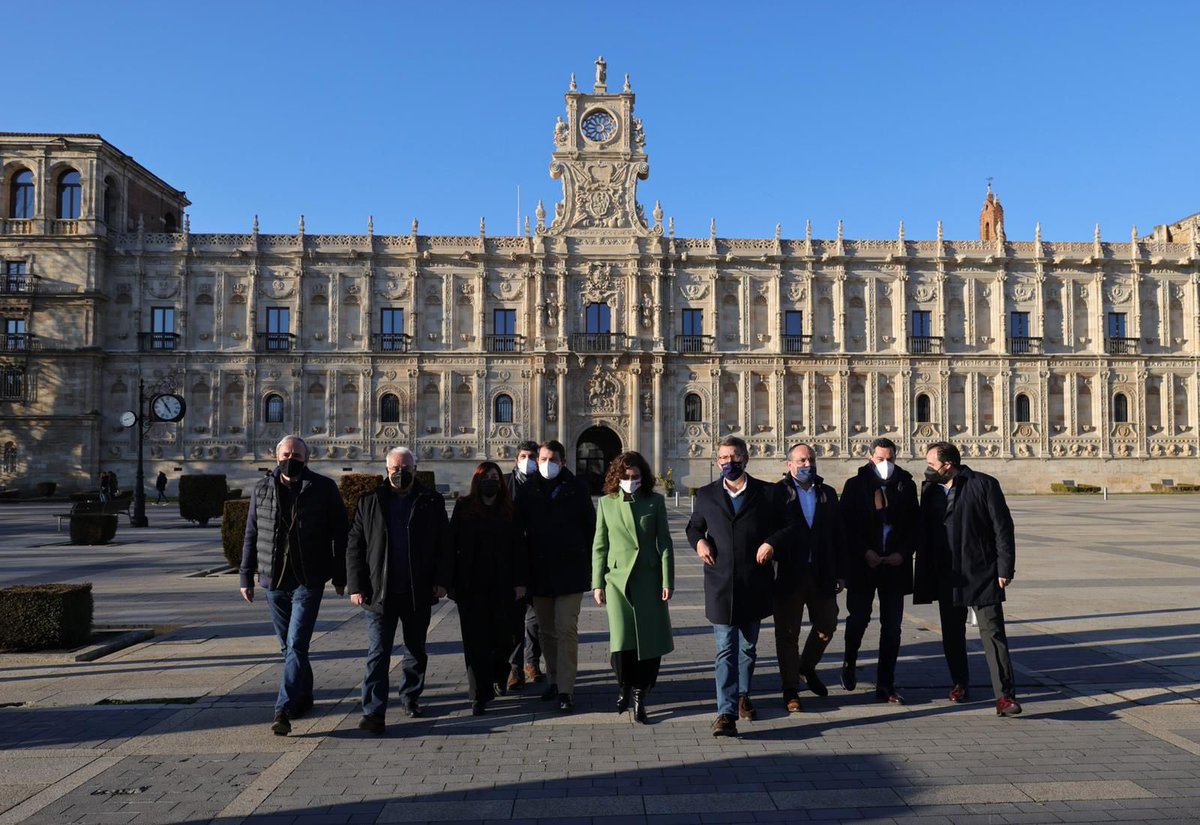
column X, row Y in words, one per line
column 397, row 568
column 730, row 523
column 560, row 522
column 488, row 552
column 295, row 542
column 966, row 557
column 879, row 509
column 633, row 575
column 160, row 484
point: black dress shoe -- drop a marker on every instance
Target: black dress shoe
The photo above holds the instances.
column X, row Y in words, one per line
column 477, row 708
column 413, row 710
column 281, row 726
column 623, row 699
column 565, row 704
column 814, row 683
column 500, row 688
column 550, row 694
column 888, row 695
column 639, row 706
column 849, row 676
column 371, row 724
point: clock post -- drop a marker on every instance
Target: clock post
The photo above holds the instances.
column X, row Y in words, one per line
column 139, row 490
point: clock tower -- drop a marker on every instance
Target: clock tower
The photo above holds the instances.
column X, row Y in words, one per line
column 599, row 155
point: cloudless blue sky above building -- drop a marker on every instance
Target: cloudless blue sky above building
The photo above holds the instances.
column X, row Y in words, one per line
column 754, row 113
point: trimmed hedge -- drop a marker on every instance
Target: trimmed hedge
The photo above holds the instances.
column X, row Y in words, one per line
column 202, row 497
column 93, row 528
column 45, row 489
column 45, row 616
column 233, row 529
column 1175, row 488
column 1074, row 488
column 354, row 486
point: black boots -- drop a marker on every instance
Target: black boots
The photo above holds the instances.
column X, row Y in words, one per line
column 623, row 699
column 639, row 706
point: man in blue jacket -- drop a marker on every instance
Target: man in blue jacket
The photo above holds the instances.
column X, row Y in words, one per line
column 295, row 541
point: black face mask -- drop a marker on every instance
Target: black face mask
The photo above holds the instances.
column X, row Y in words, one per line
column 402, row 479
column 935, row 477
column 489, row 487
column 291, row 467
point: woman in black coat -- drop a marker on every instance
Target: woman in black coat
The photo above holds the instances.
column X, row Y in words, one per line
column 489, row 577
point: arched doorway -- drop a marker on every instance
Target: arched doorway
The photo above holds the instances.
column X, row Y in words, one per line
column 594, row 451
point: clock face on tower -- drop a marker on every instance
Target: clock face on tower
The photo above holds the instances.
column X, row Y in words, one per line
column 167, row 407
column 598, row 126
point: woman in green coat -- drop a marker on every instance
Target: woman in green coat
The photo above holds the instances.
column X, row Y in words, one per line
column 633, row 573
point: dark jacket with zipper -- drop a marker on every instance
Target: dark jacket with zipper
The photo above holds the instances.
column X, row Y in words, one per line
column 802, row 550
column 560, row 523
column 428, row 547
column 321, row 522
column 865, row 523
column 488, row 554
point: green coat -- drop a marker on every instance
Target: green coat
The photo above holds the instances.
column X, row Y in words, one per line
column 633, row 564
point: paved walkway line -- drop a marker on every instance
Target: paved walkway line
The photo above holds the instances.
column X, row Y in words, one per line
column 245, row 803
column 26, row 809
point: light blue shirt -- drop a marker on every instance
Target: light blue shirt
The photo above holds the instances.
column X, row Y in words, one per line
column 808, row 501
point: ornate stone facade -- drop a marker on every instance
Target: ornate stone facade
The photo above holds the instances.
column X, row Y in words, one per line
column 1043, row 360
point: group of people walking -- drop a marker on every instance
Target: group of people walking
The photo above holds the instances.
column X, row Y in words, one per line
column 522, row 548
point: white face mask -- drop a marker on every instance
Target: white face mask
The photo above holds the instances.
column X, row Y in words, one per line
column 549, row 470
column 527, row 467
column 884, row 469
column 628, row 485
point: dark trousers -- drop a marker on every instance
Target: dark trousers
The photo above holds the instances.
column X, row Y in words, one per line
column 528, row 649
column 995, row 645
column 891, row 614
column 486, row 646
column 381, row 637
column 634, row 672
column 789, row 613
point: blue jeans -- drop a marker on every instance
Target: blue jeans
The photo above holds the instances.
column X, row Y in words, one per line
column 294, row 614
column 381, row 637
column 736, row 654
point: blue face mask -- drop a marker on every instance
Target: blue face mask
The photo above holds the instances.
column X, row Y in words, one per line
column 733, row 470
column 805, row 475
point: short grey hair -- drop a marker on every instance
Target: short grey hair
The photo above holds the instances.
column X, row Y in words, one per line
column 400, row 452
column 288, row 438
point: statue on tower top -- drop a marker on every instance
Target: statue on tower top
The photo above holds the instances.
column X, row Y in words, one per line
column 601, row 74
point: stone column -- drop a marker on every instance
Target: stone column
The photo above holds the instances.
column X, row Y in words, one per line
column 561, row 372
column 537, row 416
column 839, row 308
column 658, row 419
column 635, row 409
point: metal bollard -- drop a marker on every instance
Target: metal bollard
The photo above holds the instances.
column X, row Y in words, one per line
column 1106, row 493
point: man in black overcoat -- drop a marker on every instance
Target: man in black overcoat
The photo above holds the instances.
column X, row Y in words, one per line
column 966, row 557
column 731, row 520
column 879, row 506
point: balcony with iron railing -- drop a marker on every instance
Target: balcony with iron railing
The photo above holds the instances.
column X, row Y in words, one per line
column 504, row 343
column 1121, row 346
column 16, row 284
column 13, row 386
column 391, row 342
column 1024, row 345
column 19, row 342
column 924, row 345
column 157, row 341
column 276, row 342
column 599, row 342
column 692, row 344
column 797, row 344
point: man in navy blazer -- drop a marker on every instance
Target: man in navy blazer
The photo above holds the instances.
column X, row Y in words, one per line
column 731, row 520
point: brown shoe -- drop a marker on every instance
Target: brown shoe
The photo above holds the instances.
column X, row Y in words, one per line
column 746, row 708
column 533, row 673
column 724, row 726
column 792, row 702
column 516, row 679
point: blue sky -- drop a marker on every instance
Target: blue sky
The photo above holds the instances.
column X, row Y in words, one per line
column 755, row 113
